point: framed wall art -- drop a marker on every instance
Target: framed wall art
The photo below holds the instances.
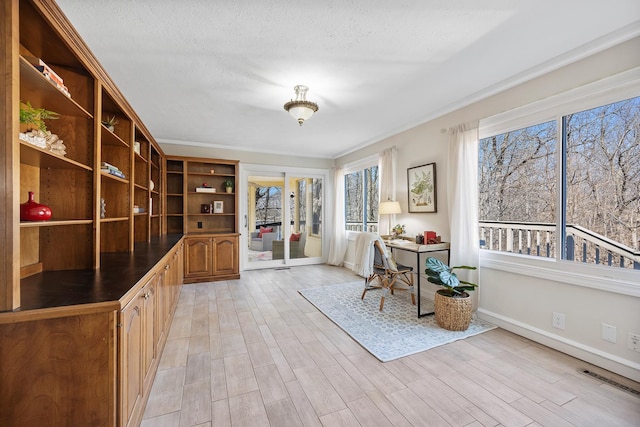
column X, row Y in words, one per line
column 218, row 206
column 421, row 185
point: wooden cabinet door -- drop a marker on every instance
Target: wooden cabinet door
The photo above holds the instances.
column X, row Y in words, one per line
column 148, row 296
column 198, row 257
column 225, row 259
column 162, row 302
column 131, row 360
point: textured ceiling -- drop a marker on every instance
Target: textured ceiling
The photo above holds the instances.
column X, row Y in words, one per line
column 217, row 73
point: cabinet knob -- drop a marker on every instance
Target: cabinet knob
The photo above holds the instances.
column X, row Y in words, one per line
column 166, row 267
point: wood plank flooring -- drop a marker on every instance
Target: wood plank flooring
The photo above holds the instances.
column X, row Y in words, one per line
column 253, row 352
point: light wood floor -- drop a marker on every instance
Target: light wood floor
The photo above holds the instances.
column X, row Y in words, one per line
column 253, row 352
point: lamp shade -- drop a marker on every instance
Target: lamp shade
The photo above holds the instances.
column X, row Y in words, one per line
column 389, row 207
column 301, row 109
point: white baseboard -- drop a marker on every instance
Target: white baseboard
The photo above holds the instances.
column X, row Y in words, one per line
column 624, row 367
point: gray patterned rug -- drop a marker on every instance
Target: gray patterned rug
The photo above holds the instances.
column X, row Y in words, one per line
column 396, row 331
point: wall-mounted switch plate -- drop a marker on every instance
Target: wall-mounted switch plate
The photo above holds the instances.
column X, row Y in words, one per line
column 634, row 342
column 558, row 320
column 609, row 333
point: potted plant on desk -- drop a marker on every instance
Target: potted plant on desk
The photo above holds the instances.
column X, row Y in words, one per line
column 453, row 307
column 397, row 231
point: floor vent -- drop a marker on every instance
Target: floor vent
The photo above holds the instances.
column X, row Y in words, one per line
column 611, row 382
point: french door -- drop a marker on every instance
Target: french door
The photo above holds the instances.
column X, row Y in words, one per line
column 283, row 217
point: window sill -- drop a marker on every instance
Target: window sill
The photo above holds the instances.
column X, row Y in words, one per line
column 626, row 282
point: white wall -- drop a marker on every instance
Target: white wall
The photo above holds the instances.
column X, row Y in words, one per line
column 520, row 302
column 246, row 156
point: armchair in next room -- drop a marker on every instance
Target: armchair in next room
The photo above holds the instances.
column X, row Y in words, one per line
column 263, row 241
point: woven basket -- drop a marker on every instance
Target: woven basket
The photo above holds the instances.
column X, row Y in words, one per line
column 453, row 314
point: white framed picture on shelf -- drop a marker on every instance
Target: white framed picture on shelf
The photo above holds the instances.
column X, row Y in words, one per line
column 218, row 206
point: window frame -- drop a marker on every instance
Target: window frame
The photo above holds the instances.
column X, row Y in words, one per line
column 360, row 166
column 606, row 91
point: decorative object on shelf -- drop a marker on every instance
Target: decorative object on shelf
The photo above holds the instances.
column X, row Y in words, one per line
column 137, row 209
column 212, row 171
column 33, row 211
column 136, row 147
column 228, row 185
column 151, row 185
column 205, row 208
column 110, row 123
column 112, row 170
column 49, row 74
column 32, row 118
column 35, row 137
column 205, row 188
column 301, row 109
column 419, row 239
column 397, row 231
column 45, row 140
column 421, row 183
column 55, row 144
column 103, row 208
column 218, row 206
column 453, row 307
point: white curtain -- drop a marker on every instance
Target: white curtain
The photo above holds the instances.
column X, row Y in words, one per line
column 463, row 199
column 387, row 168
column 338, row 245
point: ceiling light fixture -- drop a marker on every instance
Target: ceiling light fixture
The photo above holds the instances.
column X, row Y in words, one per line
column 301, row 109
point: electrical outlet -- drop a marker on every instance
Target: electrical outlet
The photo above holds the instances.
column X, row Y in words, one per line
column 558, row 320
column 609, row 333
column 199, row 224
column 633, row 342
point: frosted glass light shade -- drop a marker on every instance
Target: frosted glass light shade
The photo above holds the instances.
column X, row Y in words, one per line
column 301, row 109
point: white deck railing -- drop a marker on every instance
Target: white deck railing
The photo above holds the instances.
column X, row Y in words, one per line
column 539, row 239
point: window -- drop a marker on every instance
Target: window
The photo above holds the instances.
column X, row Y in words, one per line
column 361, row 199
column 316, row 207
column 590, row 204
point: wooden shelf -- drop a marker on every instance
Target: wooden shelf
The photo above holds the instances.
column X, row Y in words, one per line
column 110, row 138
column 114, row 219
column 35, row 86
column 113, row 177
column 55, row 223
column 184, row 175
column 36, row 156
column 139, row 158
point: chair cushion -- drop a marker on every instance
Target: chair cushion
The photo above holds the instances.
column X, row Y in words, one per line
column 265, row 230
column 295, row 237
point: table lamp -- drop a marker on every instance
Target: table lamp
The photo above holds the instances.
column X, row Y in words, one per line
column 389, row 208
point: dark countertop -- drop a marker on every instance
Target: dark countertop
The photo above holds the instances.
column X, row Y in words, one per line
column 118, row 273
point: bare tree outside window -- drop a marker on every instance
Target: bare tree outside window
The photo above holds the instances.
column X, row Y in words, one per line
column 362, row 199
column 518, row 187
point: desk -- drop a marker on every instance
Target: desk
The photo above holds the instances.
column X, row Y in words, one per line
column 410, row 246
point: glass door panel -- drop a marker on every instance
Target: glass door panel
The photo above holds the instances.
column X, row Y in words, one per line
column 265, row 219
column 283, row 218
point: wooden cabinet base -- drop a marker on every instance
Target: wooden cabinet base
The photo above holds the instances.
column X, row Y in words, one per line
column 89, row 364
column 212, row 278
column 59, row 371
column 211, row 257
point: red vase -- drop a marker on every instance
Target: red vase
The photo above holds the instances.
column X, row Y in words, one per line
column 32, row 211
